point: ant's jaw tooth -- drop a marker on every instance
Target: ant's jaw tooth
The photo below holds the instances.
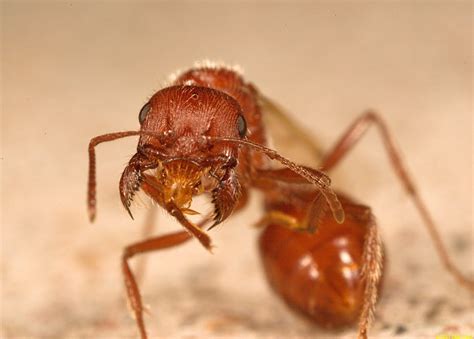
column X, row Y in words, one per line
column 216, row 216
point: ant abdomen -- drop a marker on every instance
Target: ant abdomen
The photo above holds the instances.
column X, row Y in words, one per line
column 318, row 274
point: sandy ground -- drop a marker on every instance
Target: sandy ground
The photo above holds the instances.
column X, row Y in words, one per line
column 73, row 70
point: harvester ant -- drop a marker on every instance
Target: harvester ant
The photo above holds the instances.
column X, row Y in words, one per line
column 204, row 134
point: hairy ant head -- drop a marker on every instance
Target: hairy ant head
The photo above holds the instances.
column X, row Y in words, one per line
column 191, row 136
column 184, row 162
column 183, row 115
column 133, row 173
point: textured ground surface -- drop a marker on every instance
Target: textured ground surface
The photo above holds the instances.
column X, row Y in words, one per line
column 71, row 71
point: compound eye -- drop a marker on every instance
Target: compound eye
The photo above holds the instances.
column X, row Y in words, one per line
column 241, row 126
column 144, row 112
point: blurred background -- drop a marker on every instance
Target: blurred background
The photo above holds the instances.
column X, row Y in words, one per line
column 73, row 70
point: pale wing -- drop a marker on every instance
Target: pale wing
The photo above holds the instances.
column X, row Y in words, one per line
column 287, row 137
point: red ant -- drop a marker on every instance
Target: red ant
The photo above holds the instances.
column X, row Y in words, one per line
column 205, row 134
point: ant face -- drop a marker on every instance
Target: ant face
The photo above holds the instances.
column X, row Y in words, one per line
column 184, row 160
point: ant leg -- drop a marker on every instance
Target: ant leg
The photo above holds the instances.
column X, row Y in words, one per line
column 153, row 244
column 147, row 230
column 265, row 181
column 149, row 245
column 350, row 138
column 319, row 201
column 279, row 218
column 371, row 272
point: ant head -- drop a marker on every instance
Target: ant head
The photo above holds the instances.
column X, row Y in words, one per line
column 179, row 126
column 198, row 129
column 186, row 117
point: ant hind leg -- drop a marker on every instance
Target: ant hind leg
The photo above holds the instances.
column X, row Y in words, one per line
column 350, row 138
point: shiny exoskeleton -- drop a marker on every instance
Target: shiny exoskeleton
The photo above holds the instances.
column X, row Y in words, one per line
column 205, row 134
column 318, row 273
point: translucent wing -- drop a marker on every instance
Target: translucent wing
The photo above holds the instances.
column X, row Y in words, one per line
column 287, row 137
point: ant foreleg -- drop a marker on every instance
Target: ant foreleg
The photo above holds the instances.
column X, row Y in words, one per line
column 350, row 138
column 133, row 292
column 149, row 245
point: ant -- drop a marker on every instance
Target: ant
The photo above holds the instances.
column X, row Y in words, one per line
column 204, row 134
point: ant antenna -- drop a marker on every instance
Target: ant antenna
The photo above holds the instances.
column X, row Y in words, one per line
column 315, row 177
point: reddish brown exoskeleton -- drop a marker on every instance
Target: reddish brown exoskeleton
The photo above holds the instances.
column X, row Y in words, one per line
column 204, row 134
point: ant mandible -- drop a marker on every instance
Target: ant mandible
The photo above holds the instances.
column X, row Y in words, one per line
column 204, row 134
